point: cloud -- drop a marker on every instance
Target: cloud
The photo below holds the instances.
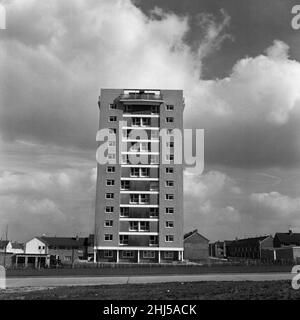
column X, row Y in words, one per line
column 283, row 204
column 214, row 34
column 52, row 69
column 204, row 208
column 60, row 202
column 252, row 117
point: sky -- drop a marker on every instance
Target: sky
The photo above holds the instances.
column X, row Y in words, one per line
column 238, row 63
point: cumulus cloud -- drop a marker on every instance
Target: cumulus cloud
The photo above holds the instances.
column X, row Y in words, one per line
column 252, row 117
column 283, row 204
column 55, row 56
column 47, row 202
column 52, row 70
column 204, row 208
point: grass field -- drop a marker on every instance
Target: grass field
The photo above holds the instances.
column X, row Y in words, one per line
column 244, row 290
column 147, row 270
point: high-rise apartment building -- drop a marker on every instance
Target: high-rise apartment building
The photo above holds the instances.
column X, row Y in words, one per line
column 139, row 203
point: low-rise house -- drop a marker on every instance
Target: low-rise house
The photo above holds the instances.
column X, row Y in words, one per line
column 286, row 248
column 60, row 249
column 196, row 246
column 16, row 247
column 286, row 239
column 249, row 248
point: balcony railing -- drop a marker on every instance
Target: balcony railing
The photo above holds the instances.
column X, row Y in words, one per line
column 140, row 96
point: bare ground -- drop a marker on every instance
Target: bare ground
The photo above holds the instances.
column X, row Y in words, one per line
column 244, row 290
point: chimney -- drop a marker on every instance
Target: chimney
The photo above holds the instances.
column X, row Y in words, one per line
column 290, row 231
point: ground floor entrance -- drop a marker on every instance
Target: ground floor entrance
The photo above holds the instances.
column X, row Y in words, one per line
column 137, row 256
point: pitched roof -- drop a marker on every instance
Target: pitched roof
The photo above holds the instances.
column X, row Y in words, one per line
column 288, row 237
column 3, row 244
column 187, row 235
column 248, row 241
column 63, row 241
column 17, row 245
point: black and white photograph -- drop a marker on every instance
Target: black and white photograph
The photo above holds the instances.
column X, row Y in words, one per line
column 149, row 151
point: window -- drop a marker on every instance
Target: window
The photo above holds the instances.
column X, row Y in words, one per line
column 134, row 198
column 154, row 109
column 169, row 119
column 169, row 224
column 144, row 198
column 148, row 254
column 125, row 185
column 133, row 226
column 110, row 169
column 169, row 238
column 169, row 170
column 169, row 210
column 109, row 209
column 169, row 196
column 123, row 240
column 108, row 237
column 112, row 106
column 145, row 172
column 110, row 182
column 169, row 107
column 168, row 255
column 124, row 212
column 108, row 254
column 170, row 144
column 144, row 226
column 134, row 172
column 169, row 183
column 127, row 254
column 109, row 195
column 108, row 223
column 153, row 240
column 154, row 212
column 136, row 121
column 145, row 122
column 170, row 157
column 112, row 118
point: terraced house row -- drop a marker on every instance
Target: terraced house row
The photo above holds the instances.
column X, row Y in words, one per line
column 139, row 203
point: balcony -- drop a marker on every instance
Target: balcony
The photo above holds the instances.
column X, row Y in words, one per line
column 138, row 240
column 141, row 96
